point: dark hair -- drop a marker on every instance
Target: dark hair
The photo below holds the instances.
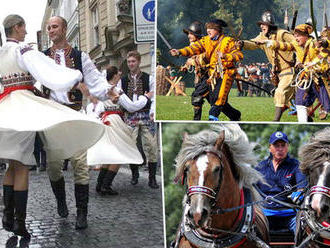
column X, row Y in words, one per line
column 111, row 72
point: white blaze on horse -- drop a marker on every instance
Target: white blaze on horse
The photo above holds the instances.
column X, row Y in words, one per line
column 219, row 210
column 313, row 229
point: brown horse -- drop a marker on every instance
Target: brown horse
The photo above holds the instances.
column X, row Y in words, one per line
column 219, row 180
column 313, row 227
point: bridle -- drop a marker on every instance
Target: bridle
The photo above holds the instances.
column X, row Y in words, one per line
column 208, row 192
column 318, row 230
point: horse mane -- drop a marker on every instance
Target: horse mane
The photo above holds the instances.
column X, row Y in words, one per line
column 316, row 151
column 239, row 147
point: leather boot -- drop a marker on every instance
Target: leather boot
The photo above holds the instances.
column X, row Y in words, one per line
column 58, row 188
column 197, row 113
column 106, row 187
column 278, row 113
column 9, row 207
column 81, row 194
column 100, row 179
column 152, row 175
column 135, row 173
column 20, row 198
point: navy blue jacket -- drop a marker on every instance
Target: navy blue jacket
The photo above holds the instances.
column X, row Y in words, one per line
column 287, row 174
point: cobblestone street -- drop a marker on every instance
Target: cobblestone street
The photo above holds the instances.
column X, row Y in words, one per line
column 132, row 219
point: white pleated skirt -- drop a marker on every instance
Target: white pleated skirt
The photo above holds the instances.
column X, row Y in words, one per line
column 116, row 145
column 64, row 131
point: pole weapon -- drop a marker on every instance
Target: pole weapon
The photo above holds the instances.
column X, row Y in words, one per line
column 313, row 19
column 249, row 83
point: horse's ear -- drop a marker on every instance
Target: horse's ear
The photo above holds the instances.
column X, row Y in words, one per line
column 220, row 140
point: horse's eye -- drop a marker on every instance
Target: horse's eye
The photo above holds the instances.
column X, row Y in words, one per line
column 217, row 169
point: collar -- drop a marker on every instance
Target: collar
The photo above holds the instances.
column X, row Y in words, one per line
column 12, row 40
column 216, row 37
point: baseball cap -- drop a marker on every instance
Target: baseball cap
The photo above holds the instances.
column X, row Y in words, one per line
column 278, row 135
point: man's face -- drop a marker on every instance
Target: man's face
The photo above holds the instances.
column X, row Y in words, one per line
column 55, row 29
column 191, row 37
column 264, row 28
column 133, row 64
column 279, row 149
column 212, row 32
column 21, row 32
column 301, row 39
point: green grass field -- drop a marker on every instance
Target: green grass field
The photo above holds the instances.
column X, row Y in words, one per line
column 252, row 108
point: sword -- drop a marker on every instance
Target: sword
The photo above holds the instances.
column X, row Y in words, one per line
column 163, row 38
column 238, row 78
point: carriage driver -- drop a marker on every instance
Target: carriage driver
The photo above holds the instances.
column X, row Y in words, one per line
column 281, row 172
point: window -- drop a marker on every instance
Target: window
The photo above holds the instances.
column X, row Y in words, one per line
column 95, row 27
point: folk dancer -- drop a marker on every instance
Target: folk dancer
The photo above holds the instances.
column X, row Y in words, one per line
column 67, row 56
column 135, row 84
column 221, row 54
column 57, row 125
column 282, row 61
column 313, row 64
column 117, row 146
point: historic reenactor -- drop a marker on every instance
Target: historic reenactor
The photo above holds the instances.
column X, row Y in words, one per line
column 282, row 62
column 222, row 55
column 198, row 62
column 23, row 114
column 311, row 59
column 135, row 84
column 64, row 54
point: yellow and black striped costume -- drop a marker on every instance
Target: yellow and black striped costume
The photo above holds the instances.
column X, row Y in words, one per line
column 211, row 48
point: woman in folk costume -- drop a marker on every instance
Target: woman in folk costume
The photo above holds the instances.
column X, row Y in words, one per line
column 64, row 131
column 116, row 146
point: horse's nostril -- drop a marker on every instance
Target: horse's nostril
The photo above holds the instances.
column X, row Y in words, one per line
column 324, row 208
column 204, row 213
column 190, row 214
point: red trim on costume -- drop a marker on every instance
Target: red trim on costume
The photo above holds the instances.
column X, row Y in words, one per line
column 239, row 243
column 8, row 90
column 107, row 113
column 325, row 224
column 326, row 241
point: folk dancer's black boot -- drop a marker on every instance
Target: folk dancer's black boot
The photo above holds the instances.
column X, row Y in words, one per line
column 58, row 188
column 152, row 176
column 81, row 194
column 107, row 182
column 9, row 208
column 20, row 199
column 100, row 179
column 135, row 173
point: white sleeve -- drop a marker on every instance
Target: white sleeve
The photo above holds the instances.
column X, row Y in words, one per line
column 46, row 71
column 131, row 106
column 93, row 78
column 152, row 89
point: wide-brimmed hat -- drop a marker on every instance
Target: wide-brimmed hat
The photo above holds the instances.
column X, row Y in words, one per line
column 303, row 29
column 217, row 24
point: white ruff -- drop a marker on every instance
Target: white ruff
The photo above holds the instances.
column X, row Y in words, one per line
column 202, row 163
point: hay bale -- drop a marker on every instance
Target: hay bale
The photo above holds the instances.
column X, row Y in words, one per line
column 162, row 86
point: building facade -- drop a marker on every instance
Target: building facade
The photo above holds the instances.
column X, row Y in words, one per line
column 106, row 32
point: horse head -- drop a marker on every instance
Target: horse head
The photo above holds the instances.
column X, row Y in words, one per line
column 204, row 180
column 315, row 162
